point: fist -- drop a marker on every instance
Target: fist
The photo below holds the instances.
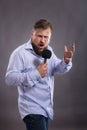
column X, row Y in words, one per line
column 42, row 68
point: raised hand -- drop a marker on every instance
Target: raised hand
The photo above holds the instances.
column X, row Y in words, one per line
column 68, row 54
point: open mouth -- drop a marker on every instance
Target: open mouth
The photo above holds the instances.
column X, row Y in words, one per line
column 41, row 45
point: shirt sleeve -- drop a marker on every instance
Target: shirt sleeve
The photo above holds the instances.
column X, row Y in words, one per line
column 17, row 75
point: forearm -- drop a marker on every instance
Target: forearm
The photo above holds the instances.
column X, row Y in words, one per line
column 63, row 67
column 26, row 78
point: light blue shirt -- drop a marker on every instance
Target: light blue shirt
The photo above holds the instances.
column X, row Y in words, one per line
column 35, row 92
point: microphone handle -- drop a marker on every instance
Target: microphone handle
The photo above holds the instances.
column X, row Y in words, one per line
column 45, row 60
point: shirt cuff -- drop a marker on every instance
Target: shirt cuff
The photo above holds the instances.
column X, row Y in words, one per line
column 67, row 66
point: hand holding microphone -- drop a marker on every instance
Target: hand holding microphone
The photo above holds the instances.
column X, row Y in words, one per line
column 43, row 67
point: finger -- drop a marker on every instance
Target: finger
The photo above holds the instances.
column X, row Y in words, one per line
column 73, row 48
column 65, row 48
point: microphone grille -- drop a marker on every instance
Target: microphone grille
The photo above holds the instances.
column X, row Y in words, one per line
column 46, row 54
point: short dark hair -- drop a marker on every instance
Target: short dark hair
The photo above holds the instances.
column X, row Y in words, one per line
column 43, row 23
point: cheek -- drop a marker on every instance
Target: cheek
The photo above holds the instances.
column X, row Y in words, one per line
column 36, row 40
column 48, row 40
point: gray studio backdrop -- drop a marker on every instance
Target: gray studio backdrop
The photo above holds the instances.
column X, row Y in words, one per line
column 69, row 19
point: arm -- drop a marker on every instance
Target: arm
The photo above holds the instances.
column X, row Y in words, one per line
column 63, row 66
column 18, row 75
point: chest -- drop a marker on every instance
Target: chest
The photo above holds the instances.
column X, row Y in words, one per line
column 32, row 60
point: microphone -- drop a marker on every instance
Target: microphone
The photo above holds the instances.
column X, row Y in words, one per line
column 46, row 54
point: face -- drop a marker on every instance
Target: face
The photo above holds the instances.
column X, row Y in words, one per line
column 40, row 39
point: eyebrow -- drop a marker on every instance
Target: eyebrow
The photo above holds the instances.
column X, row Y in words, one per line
column 42, row 35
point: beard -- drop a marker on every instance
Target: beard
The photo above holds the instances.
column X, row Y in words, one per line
column 37, row 51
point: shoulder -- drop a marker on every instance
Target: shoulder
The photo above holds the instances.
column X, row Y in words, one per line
column 19, row 50
column 50, row 48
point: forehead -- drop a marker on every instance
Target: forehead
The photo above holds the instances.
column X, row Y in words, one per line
column 41, row 31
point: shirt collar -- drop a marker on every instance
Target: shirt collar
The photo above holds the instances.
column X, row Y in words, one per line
column 28, row 45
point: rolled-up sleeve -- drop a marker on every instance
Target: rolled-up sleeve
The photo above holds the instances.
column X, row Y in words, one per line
column 60, row 66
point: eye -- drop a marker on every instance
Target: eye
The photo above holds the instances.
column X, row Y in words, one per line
column 40, row 36
column 46, row 37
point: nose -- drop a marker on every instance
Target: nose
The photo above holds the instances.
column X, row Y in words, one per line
column 42, row 39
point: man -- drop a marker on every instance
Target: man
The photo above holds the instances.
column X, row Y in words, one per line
column 34, row 77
